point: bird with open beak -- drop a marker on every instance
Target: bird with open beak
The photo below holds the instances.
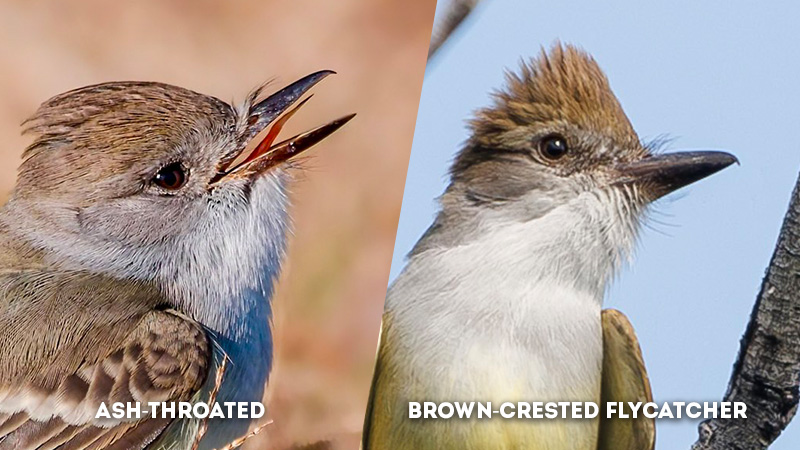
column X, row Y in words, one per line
column 137, row 252
column 501, row 299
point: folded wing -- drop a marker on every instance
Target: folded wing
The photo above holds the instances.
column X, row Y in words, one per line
column 624, row 380
column 79, row 340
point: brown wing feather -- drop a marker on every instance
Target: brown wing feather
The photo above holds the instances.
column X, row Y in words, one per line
column 624, row 380
column 368, row 415
column 102, row 340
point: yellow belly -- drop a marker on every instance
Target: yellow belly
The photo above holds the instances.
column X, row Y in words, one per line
column 495, row 433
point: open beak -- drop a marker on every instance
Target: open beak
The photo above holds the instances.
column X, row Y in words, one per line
column 276, row 110
column 659, row 175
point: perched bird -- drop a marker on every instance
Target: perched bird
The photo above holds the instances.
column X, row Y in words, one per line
column 501, row 298
column 138, row 249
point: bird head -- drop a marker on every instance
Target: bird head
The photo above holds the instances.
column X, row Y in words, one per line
column 556, row 139
column 142, row 178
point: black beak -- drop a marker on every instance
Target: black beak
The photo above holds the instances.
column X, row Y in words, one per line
column 274, row 111
column 267, row 110
column 661, row 174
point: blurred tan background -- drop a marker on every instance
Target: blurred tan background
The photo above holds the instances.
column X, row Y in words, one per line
column 347, row 203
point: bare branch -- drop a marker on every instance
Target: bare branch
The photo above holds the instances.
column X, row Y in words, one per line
column 201, row 432
column 767, row 373
column 457, row 11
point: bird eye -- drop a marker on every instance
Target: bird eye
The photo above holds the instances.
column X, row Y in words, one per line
column 554, row 147
column 170, row 177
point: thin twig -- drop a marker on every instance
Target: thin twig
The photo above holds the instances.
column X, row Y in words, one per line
column 766, row 375
column 457, row 11
column 212, row 399
column 240, row 441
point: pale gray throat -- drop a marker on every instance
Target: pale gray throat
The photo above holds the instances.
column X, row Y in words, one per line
column 240, row 257
column 462, row 216
column 220, row 274
column 589, row 233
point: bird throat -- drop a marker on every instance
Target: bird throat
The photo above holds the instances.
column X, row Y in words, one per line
column 513, row 307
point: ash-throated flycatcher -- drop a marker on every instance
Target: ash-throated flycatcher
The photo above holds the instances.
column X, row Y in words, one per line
column 138, row 249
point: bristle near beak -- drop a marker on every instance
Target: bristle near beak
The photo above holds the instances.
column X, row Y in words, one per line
column 663, row 174
column 267, row 154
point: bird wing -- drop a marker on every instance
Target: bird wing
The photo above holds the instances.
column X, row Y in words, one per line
column 368, row 419
column 383, row 426
column 71, row 341
column 624, row 380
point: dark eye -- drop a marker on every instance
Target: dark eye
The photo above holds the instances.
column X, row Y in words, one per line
column 170, row 177
column 554, row 147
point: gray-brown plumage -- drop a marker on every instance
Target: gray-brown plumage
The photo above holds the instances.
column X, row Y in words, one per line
column 139, row 247
column 60, row 361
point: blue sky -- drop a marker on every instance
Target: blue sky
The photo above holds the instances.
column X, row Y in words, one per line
column 710, row 75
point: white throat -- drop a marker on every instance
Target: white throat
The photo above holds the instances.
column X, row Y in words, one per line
column 517, row 307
